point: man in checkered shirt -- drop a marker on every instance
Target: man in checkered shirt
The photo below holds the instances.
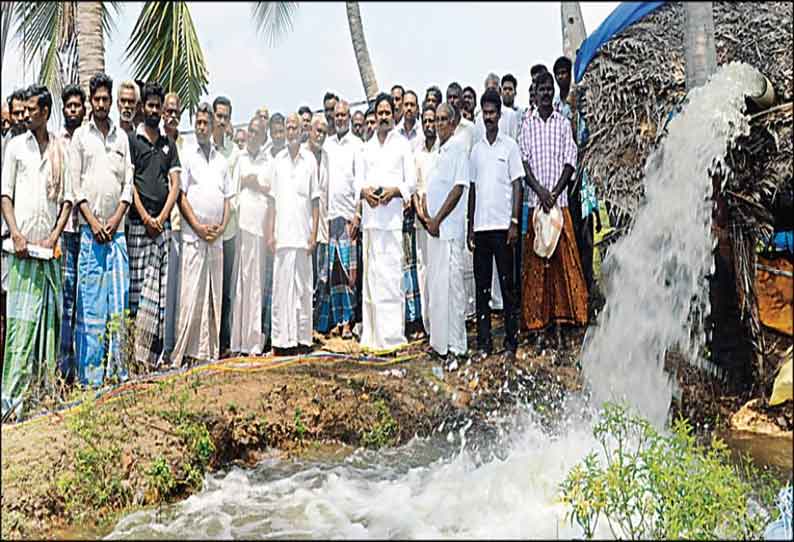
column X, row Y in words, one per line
column 553, row 290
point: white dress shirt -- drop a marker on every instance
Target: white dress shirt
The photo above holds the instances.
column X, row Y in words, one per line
column 466, row 132
column 252, row 203
column 294, row 187
column 26, row 174
column 450, row 169
column 424, row 161
column 493, row 169
column 341, row 179
column 322, row 182
column 206, row 184
column 509, row 124
column 101, row 170
column 415, row 136
column 386, row 165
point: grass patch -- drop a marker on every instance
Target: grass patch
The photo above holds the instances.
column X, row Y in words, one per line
column 384, row 432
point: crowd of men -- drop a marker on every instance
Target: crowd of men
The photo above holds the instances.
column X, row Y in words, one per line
column 123, row 241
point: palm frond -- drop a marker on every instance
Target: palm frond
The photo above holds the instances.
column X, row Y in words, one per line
column 7, row 17
column 164, row 47
column 274, row 19
column 38, row 24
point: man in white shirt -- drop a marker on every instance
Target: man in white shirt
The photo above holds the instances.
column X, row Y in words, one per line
column 204, row 199
column 102, row 173
column 494, row 210
column 318, row 130
column 464, row 129
column 36, row 199
column 343, row 248
column 424, row 157
column 385, row 178
column 251, row 312
column 295, row 199
column 446, row 185
column 409, row 126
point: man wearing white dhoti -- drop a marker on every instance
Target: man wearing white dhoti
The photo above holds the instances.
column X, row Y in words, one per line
column 385, row 177
column 294, row 200
column 250, row 315
column 447, row 181
column 205, row 204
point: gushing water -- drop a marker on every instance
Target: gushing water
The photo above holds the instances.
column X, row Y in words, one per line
column 436, row 487
column 656, row 291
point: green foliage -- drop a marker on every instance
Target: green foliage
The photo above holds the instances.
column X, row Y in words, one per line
column 160, row 478
column 300, row 429
column 384, row 431
column 662, row 486
column 95, row 483
column 121, row 328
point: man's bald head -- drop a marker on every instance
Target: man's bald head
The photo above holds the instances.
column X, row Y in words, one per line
column 293, row 128
column 342, row 118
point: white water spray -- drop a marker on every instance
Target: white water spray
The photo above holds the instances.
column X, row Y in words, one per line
column 657, row 276
column 656, row 284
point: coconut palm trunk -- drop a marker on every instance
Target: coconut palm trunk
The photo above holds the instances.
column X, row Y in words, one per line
column 365, row 68
column 90, row 42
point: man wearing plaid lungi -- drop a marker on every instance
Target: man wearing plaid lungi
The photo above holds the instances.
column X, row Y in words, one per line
column 155, row 189
column 413, row 301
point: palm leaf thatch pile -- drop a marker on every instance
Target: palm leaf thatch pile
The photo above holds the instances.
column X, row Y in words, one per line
column 636, row 80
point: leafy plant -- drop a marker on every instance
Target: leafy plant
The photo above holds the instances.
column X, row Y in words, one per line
column 160, row 478
column 300, row 428
column 661, row 486
column 384, row 430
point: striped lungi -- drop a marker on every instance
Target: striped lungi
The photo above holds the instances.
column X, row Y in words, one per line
column 321, row 297
column 413, row 301
column 148, row 289
column 70, row 246
column 343, row 254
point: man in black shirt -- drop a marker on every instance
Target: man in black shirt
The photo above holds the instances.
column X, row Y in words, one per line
column 156, row 187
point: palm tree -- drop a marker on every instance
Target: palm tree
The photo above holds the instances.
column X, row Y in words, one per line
column 163, row 47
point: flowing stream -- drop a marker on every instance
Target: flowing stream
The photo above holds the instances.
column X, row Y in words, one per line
column 506, row 486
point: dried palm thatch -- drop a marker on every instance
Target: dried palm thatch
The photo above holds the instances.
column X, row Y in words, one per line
column 638, row 78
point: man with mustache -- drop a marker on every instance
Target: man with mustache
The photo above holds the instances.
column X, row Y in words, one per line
column 205, row 202
column 127, row 99
column 445, row 206
column 371, row 123
column 73, row 100
column 155, row 160
column 554, row 291
column 172, row 112
column 277, row 135
column 102, row 173
column 397, row 92
column 494, row 208
column 294, row 199
column 305, row 113
column 252, row 301
column 385, row 177
column 358, row 125
column 36, row 202
column 329, row 104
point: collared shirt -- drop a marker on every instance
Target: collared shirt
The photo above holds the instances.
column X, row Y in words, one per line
column 449, row 169
column 386, row 165
column 252, row 204
column 152, row 163
column 424, row 161
column 206, row 184
column 493, row 170
column 509, row 124
column 547, row 146
column 415, row 136
column 294, row 188
column 73, row 223
column 26, row 175
column 562, row 107
column 322, row 182
column 341, row 178
column 230, row 151
column 466, row 132
column 101, row 170
column 176, row 214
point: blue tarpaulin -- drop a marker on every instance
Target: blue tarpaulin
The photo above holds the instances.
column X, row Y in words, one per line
column 625, row 14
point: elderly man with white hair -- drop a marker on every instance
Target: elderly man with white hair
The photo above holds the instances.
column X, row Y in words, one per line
column 295, row 202
column 128, row 96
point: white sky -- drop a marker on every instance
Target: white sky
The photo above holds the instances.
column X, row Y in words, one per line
column 414, row 44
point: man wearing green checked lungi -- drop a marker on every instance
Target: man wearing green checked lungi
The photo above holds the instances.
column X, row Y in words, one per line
column 36, row 201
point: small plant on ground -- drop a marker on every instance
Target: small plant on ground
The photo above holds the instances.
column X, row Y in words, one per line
column 300, row 428
column 160, row 479
column 384, row 431
column 657, row 486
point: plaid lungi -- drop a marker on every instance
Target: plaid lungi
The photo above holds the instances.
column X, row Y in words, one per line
column 413, row 303
column 70, row 245
column 267, row 298
column 32, row 331
column 148, row 289
column 321, row 301
column 343, row 256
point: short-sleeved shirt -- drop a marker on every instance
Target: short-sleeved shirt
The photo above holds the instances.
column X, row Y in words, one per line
column 415, row 136
column 509, row 124
column 341, row 178
column 206, row 185
column 231, row 152
column 449, row 169
column 252, row 204
column 101, row 170
column 152, row 163
column 493, row 168
column 322, row 181
column 466, row 132
column 176, row 214
column 294, row 187
column 547, row 146
column 73, row 223
column 25, row 180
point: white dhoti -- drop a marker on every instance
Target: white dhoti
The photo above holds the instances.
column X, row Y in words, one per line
column 496, row 290
column 247, row 334
column 200, row 292
column 292, row 298
column 383, row 298
column 446, row 299
column 421, row 272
